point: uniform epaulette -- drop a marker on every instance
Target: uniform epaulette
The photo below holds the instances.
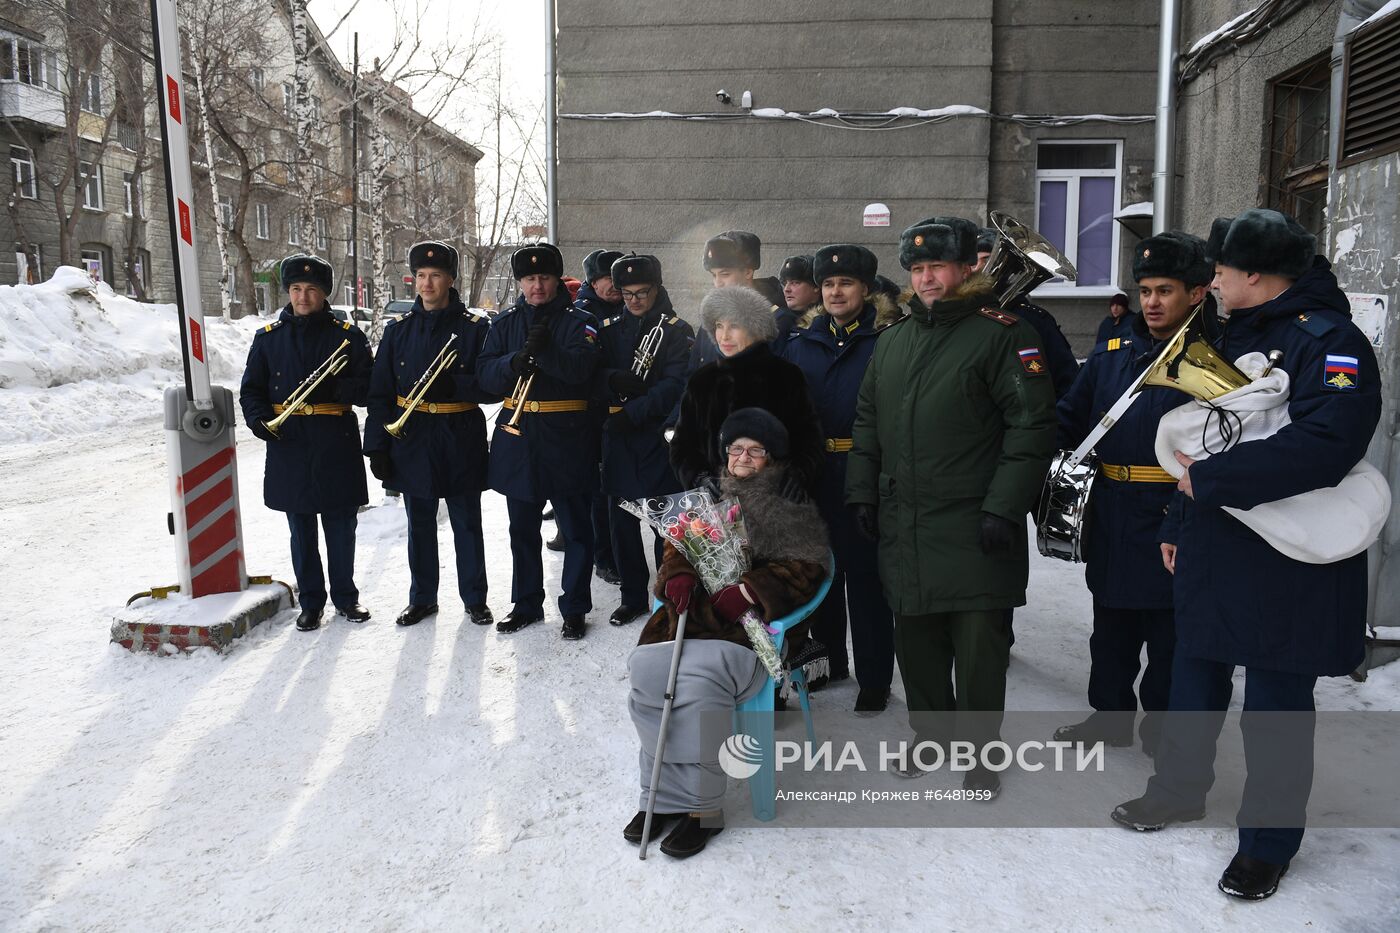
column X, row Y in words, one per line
column 608, row 322
column 269, row 328
column 1315, row 324
column 1114, row 343
column 346, row 325
column 673, row 320
column 1001, row 317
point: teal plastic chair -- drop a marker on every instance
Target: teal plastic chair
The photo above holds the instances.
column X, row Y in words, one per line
column 754, row 717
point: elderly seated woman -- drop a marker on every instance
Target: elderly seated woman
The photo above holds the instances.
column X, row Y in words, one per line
column 718, row 668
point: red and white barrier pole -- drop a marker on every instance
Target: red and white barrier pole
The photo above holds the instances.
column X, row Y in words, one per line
column 199, row 419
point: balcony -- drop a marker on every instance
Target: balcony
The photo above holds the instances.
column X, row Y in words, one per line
column 39, row 105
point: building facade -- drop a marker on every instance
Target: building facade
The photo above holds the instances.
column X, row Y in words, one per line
column 940, row 107
column 87, row 180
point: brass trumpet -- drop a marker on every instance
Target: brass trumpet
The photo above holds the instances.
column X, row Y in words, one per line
column 645, row 354
column 1190, row 364
column 332, row 364
column 519, row 396
column 444, row 359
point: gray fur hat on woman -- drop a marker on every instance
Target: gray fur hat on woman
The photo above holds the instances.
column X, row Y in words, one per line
column 742, row 307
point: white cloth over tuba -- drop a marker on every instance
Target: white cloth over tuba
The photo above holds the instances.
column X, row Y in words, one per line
column 1317, row 527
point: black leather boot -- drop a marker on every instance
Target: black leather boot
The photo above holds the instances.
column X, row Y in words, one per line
column 415, row 614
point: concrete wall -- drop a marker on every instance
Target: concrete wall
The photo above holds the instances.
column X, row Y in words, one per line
column 665, row 186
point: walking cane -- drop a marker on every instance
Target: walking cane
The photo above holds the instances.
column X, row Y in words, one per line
column 661, row 734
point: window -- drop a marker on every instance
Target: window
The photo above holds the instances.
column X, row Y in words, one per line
column 1077, row 191
column 1297, row 143
column 323, row 236
column 261, row 222
column 226, row 211
column 293, row 229
column 93, row 262
column 262, row 295
column 255, row 75
column 349, row 247
column 140, row 272
column 90, row 93
column 350, row 294
column 28, row 63
column 315, row 108
column 22, row 161
column 131, row 194
column 90, row 178
column 289, row 100
column 29, row 274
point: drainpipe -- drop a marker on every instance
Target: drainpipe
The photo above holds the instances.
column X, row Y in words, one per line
column 1164, row 159
column 551, row 137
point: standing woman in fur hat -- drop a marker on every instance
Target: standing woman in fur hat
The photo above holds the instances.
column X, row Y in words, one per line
column 747, row 374
column 718, row 668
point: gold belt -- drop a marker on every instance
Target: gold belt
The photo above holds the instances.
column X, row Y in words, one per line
column 1136, row 474
column 839, row 445
column 439, row 408
column 568, row 404
column 325, row 408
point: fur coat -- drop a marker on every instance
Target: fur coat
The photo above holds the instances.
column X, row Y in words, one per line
column 788, row 550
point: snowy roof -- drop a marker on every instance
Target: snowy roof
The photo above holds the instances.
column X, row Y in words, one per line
column 1140, row 209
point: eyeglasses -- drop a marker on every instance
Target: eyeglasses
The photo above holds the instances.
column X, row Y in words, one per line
column 642, row 295
column 753, row 453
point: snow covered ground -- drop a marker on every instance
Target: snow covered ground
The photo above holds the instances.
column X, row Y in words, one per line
column 448, row 777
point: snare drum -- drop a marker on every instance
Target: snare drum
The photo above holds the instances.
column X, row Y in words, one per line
column 1064, row 508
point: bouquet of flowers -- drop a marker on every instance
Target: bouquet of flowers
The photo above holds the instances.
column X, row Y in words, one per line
column 711, row 535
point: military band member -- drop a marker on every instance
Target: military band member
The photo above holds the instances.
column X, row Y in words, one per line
column 953, row 434
column 313, row 465
column 801, row 292
column 1239, row 601
column 541, row 353
column 1123, row 566
column 636, row 462
column 833, row 353
column 440, row 453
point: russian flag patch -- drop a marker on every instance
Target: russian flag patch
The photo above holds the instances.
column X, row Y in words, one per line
column 1340, row 372
column 1031, row 360
column 590, row 333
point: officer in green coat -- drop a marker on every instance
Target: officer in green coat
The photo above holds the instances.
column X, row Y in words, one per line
column 954, row 432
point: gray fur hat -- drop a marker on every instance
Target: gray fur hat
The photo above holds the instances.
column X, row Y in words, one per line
column 1173, row 255
column 741, row 306
column 939, row 239
column 1267, row 242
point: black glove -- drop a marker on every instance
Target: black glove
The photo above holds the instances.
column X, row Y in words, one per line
column 791, row 489
column 537, row 338
column 626, row 384
column 381, row 466
column 867, row 519
column 522, row 365
column 619, row 422
column 998, row 535
column 256, row 426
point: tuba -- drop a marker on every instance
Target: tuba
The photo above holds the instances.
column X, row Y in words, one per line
column 1188, row 363
column 1021, row 260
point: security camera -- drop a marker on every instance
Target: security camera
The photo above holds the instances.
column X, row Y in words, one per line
column 723, row 96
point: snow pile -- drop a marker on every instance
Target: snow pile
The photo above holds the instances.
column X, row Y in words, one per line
column 77, row 357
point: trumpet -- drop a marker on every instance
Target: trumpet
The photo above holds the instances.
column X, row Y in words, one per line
column 645, row 354
column 332, row 364
column 518, row 397
column 445, row 358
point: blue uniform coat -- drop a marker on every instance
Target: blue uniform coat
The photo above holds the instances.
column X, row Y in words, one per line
column 1064, row 366
column 636, row 463
column 438, row 455
column 315, row 466
column 1237, row 599
column 589, row 301
column 557, row 452
column 1110, row 328
column 1123, row 560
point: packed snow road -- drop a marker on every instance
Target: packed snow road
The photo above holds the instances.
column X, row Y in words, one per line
column 448, row 777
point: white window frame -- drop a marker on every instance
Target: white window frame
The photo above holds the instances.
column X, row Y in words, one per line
column 262, row 222
column 323, row 234
column 289, row 100
column 92, row 185
column 88, row 256
column 34, row 53
column 90, row 93
column 262, row 294
column 21, row 268
column 293, row 229
column 27, row 188
column 131, row 194
column 255, row 75
column 226, row 211
column 1072, row 176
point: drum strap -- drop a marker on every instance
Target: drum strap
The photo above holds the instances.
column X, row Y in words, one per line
column 1110, row 418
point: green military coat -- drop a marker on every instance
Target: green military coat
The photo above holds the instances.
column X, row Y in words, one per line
column 956, row 417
